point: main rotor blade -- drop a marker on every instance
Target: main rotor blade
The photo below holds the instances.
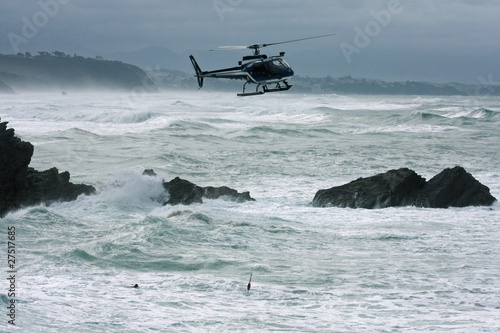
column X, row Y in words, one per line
column 257, row 46
column 229, row 48
column 295, row 40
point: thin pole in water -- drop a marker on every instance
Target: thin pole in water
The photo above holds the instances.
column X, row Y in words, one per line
column 249, row 283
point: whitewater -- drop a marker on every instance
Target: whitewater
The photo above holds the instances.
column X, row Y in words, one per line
column 313, row 269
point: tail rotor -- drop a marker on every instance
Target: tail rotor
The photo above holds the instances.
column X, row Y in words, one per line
column 197, row 69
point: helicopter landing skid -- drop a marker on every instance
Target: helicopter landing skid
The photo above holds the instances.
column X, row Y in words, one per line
column 264, row 89
column 278, row 87
column 257, row 91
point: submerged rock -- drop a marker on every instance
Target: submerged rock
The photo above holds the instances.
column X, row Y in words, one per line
column 450, row 188
column 149, row 172
column 184, row 192
column 24, row 186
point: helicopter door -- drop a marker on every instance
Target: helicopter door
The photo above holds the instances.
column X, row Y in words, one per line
column 258, row 68
column 260, row 71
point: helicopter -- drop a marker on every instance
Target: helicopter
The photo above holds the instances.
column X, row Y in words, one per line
column 256, row 69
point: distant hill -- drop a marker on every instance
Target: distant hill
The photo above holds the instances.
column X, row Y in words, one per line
column 60, row 71
column 349, row 85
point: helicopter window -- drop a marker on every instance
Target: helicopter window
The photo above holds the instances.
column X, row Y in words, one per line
column 284, row 63
column 277, row 64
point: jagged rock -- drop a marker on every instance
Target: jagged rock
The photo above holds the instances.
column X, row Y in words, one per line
column 453, row 188
column 15, row 156
column 50, row 185
column 383, row 190
column 24, row 186
column 450, row 188
column 184, row 192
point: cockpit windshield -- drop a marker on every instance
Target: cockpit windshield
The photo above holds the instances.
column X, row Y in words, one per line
column 277, row 64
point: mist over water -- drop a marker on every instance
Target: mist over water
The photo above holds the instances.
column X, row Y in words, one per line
column 313, row 269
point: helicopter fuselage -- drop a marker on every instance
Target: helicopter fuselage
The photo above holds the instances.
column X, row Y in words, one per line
column 266, row 70
column 257, row 69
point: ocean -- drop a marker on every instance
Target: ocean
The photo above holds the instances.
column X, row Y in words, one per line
column 313, row 269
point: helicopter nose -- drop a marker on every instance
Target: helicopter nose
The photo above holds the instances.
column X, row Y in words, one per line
column 290, row 72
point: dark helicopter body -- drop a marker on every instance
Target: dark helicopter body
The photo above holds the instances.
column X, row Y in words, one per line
column 257, row 69
column 268, row 70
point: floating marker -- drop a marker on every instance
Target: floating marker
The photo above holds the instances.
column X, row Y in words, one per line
column 249, row 282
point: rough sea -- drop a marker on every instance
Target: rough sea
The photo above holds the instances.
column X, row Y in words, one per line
column 313, row 269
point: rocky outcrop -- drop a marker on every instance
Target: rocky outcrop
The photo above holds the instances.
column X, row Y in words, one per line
column 50, row 185
column 453, row 188
column 21, row 185
column 184, row 192
column 383, row 190
column 403, row 187
column 15, row 156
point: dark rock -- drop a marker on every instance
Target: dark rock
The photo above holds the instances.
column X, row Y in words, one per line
column 149, row 172
column 224, row 191
column 450, row 188
column 24, row 186
column 15, row 156
column 383, row 190
column 50, row 185
column 184, row 192
column 453, row 188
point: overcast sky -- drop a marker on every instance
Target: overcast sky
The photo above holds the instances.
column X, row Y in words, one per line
column 438, row 41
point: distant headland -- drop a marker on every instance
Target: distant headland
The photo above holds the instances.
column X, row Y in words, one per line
column 60, row 71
